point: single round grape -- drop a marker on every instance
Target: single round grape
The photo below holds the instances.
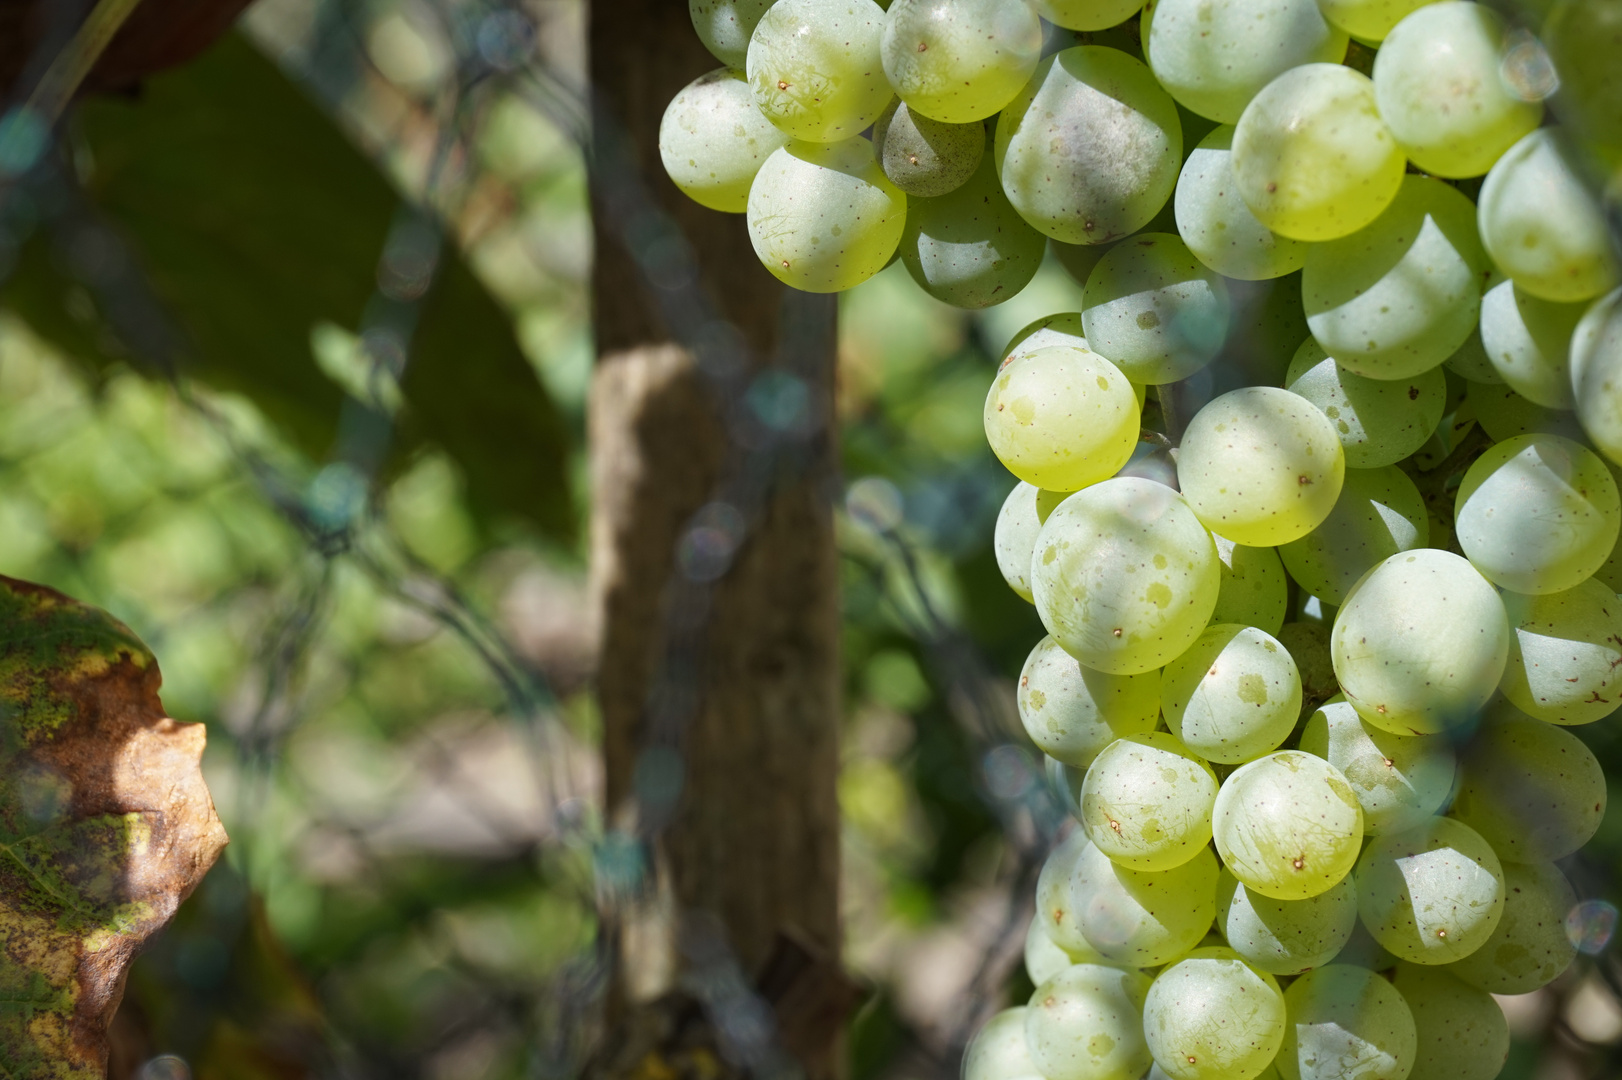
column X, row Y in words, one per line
column 824, row 217
column 1254, row 591
column 998, row 1051
column 1154, row 310
column 1528, row 341
column 1379, row 513
column 1087, row 14
column 1261, row 465
column 1420, row 643
column 1089, row 149
column 1124, row 576
column 1504, row 414
column 1211, row 1016
column 1379, row 421
column 1308, row 644
column 1072, row 713
column 1399, row 780
column 1056, row 901
column 1369, row 21
column 1436, row 79
column 1346, row 1023
column 1530, row 947
column 1541, row 226
column 1596, row 373
column 1086, row 1023
column 1144, row 918
column 815, row 70
column 1535, row 791
column 1564, row 651
column 712, row 141
column 1288, row 825
column 1234, row 695
column 1045, row 958
column 1311, row 156
column 1462, row 1032
column 1146, row 802
column 1062, row 418
column 968, row 248
column 960, row 60
column 1014, row 536
column 724, row 26
column 1469, row 361
column 1286, row 937
column 923, row 156
column 1431, row 894
column 1216, row 224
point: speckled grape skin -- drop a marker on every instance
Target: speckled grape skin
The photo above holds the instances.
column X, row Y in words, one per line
column 1072, row 713
column 1288, row 825
column 1055, row 895
column 1368, row 20
column 1086, row 1023
column 1528, row 343
column 1420, row 643
column 923, row 156
column 1211, row 1014
column 1379, row 421
column 1155, row 310
column 1089, row 149
column 1564, row 652
column 1124, row 576
column 1254, row 589
column 1144, row 918
column 1399, row 780
column 1530, row 947
column 1379, row 514
column 724, row 26
column 1286, row 937
column 1431, row 894
column 1346, row 1023
column 998, row 1051
column 1461, row 1030
column 1060, row 328
column 1087, row 14
column 1062, row 418
column 1216, row 224
column 815, row 69
column 1261, row 466
column 712, row 141
column 1044, row 958
column 960, row 60
column 968, row 248
column 1233, row 695
column 1013, row 538
column 1146, row 802
column 1596, row 373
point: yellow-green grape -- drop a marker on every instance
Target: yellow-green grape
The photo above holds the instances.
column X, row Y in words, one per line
column 1540, row 224
column 1431, row 894
column 1216, row 224
column 1014, row 536
column 1379, row 513
column 1537, row 514
column 1155, row 310
column 1379, row 421
column 1286, row 937
column 1056, row 896
column 1213, row 57
column 1062, row 328
column 998, row 1051
column 1089, row 149
column 923, row 156
column 1399, row 780
column 1087, row 14
column 1529, row 948
column 1212, row 1016
column 1254, row 590
column 712, row 141
column 815, row 69
column 1146, row 802
column 1045, row 958
column 1072, row 713
column 1079, row 259
column 1528, row 343
column 960, row 60
column 1144, row 918
column 1359, row 291
column 1261, row 465
column 1564, row 651
column 1369, row 21
column 1124, row 576
column 1596, row 373
column 1086, row 1023
column 1346, row 1023
column 1437, row 82
column 1234, row 695
column 1288, row 825
column 1061, row 418
column 823, row 217
column 724, row 26
column 1504, row 414
column 1462, row 1032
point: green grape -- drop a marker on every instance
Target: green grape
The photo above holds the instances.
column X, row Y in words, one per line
column 1379, row 421
column 1359, row 291
column 1254, row 591
column 960, row 60
column 1213, row 56
column 1261, row 465
column 1399, row 780
column 1431, row 894
column 1287, row 825
column 1056, row 906
column 815, row 69
column 1583, row 38
column 1211, row 1016
column 1346, row 1023
column 1286, row 937
column 1420, row 643
column 1124, row 576
column 1596, row 373
column 1045, row 958
column 1014, row 536
column 712, row 141
column 1157, row 1073
column 1504, row 414
column 1541, row 226
column 1564, row 649
column 1146, row 802
column 1311, row 156
column 1436, row 79
column 1368, row 20
column 1089, row 150
column 1216, row 224
column 926, row 157
column 1469, row 361
column 724, row 26
column 1063, row 328
column 823, row 217
column 1072, row 713
column 1530, row 947
column 1528, row 342
column 1535, row 791
column 1144, row 918
column 1079, row 259
column 1062, row 418
column 1462, row 1032
column 1267, row 325
column 998, row 1051
column 1154, row 310
column 1087, row 14
column 1379, row 513
column 1308, row 645
column 1537, row 514
column 1234, row 695
column 1086, row 1023
column 1363, row 951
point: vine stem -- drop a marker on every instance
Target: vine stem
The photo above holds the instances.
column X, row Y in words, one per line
column 63, row 78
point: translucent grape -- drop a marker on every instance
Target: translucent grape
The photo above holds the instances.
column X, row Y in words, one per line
column 1014, row 536
column 1060, row 328
column 1124, row 576
column 1288, row 825
column 1089, row 150
column 1154, row 310
column 1216, row 224
column 1399, row 780
column 1087, row 14
column 968, row 248
column 1234, row 695
column 1379, row 513
column 1346, row 1023
column 1211, row 1016
column 1540, row 224
column 824, row 217
column 1504, row 414
column 1261, row 466
column 1145, row 918
column 1462, row 1032
column 1564, row 651
column 1437, row 83
column 1379, row 421
column 1286, row 937
column 1420, row 643
column 712, row 141
column 1596, row 373
column 960, row 60
column 1072, row 713
column 1529, row 948
column 815, row 69
column 1146, row 802
column 1528, row 342
column 724, row 26
column 1311, row 156
column 1061, row 418
column 1254, row 591
column 1086, row 1023
column 1044, row 958
column 1056, row 905
column 1431, row 894
column 1368, row 20
column 998, row 1052
column 923, row 156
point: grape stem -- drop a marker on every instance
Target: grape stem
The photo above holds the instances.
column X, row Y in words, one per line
column 1150, row 435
